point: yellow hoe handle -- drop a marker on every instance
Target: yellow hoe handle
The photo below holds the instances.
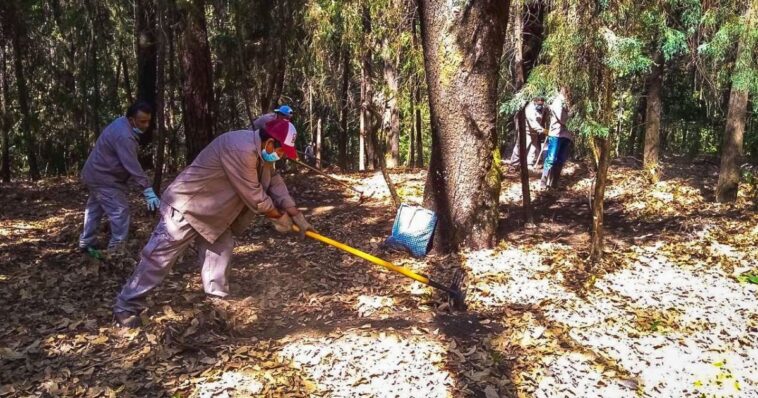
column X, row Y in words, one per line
column 365, row 256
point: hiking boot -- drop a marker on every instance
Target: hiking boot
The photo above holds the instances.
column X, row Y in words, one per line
column 128, row 320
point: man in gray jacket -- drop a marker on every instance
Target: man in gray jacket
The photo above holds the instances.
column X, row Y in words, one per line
column 232, row 178
column 534, row 126
column 110, row 166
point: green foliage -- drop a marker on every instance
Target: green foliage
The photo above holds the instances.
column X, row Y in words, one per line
column 724, row 41
column 626, row 55
column 591, row 128
column 674, row 43
column 748, row 277
column 539, row 84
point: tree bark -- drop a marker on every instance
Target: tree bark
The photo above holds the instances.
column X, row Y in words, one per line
column 362, row 128
column 127, row 81
column 638, row 121
column 653, row 120
column 160, row 94
column 16, row 24
column 731, row 149
column 412, row 135
column 6, row 118
column 367, row 93
column 419, row 132
column 462, row 49
column 344, row 90
column 380, row 161
column 147, row 50
column 525, row 194
column 519, row 75
column 198, row 84
column 602, row 149
column 393, row 138
column 417, row 100
column 97, row 20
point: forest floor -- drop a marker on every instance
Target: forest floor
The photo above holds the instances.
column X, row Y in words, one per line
column 671, row 312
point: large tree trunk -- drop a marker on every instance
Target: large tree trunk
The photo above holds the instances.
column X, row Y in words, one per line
column 417, row 100
column 363, row 124
column 520, row 73
column 418, row 129
column 638, row 122
column 525, row 194
column 653, row 120
column 96, row 18
column 412, row 131
column 6, row 118
column 127, row 82
column 16, row 24
column 160, row 105
column 393, row 138
column 145, row 36
column 731, row 150
column 147, row 50
column 198, row 84
column 462, row 49
column 367, row 91
column 344, row 90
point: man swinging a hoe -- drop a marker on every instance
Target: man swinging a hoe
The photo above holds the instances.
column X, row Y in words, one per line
column 229, row 181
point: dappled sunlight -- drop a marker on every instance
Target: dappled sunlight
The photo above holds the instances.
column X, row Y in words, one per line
column 367, row 305
column 576, row 372
column 231, row 384
column 364, row 362
column 248, row 249
column 507, row 277
column 651, row 326
column 321, row 210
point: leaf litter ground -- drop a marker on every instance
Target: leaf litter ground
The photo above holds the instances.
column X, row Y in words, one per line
column 670, row 312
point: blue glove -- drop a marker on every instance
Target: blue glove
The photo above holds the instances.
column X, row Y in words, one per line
column 153, row 203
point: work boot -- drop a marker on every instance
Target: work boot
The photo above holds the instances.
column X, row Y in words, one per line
column 92, row 251
column 126, row 319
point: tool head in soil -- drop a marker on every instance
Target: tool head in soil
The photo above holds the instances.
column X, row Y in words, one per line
column 455, row 294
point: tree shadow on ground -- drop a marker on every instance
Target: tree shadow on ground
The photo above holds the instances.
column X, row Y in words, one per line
column 61, row 301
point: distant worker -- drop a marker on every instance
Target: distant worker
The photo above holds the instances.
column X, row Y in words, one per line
column 283, row 112
column 558, row 141
column 110, row 166
column 310, row 158
column 533, row 114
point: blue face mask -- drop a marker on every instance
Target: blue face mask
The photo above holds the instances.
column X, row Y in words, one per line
column 269, row 157
column 136, row 131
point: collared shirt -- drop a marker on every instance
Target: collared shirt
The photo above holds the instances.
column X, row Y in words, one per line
column 534, row 119
column 224, row 178
column 114, row 162
column 559, row 116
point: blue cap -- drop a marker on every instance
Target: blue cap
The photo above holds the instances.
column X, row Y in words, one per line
column 284, row 110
